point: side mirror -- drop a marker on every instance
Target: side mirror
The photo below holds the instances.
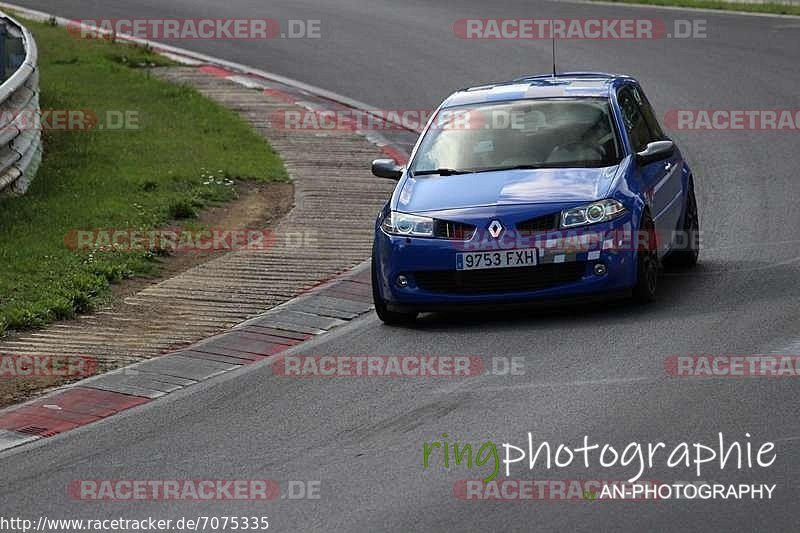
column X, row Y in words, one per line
column 655, row 151
column 387, row 168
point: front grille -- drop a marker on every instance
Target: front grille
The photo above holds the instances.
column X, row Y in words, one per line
column 498, row 280
column 457, row 231
column 539, row 224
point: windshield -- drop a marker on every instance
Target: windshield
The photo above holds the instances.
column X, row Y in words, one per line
column 549, row 133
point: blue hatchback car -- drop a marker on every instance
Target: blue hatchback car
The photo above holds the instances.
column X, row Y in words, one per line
column 541, row 187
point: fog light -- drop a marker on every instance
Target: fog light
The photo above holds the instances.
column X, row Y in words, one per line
column 402, row 281
column 600, row 269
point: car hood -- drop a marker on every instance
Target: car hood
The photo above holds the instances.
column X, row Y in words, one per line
column 510, row 187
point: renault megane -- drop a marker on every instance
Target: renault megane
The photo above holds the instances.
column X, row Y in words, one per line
column 541, row 187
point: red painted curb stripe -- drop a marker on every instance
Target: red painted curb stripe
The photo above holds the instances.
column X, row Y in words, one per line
column 289, row 335
column 395, row 154
column 216, row 71
column 271, row 338
column 362, row 277
column 280, row 95
column 67, row 410
column 344, row 295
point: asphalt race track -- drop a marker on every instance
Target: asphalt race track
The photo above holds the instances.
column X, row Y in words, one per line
column 595, row 370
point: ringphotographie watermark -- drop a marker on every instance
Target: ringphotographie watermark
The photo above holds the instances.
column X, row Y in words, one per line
column 579, row 28
column 197, row 28
column 637, row 457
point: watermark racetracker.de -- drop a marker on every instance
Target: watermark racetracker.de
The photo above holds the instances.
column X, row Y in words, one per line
column 733, row 366
column 554, row 490
column 592, row 490
column 612, row 28
column 733, row 119
column 197, row 28
column 21, row 366
column 69, row 120
column 186, row 240
column 193, row 490
column 396, row 366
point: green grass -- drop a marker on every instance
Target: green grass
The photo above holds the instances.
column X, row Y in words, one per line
column 130, row 178
column 780, row 9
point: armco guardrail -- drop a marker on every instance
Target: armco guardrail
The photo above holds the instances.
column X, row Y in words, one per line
column 20, row 137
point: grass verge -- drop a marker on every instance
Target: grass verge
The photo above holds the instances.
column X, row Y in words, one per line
column 772, row 7
column 178, row 153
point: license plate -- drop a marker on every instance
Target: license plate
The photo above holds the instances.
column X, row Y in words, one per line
column 498, row 259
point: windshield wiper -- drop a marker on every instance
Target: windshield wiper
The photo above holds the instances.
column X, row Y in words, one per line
column 454, row 172
column 441, row 172
column 513, row 167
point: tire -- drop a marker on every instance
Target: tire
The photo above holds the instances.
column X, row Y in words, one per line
column 390, row 318
column 687, row 258
column 647, row 267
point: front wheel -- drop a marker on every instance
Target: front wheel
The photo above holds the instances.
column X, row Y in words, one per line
column 646, row 263
column 687, row 256
column 391, row 318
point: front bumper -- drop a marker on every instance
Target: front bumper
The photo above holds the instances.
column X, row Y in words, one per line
column 566, row 261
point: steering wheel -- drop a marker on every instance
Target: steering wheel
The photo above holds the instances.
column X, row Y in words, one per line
column 582, row 146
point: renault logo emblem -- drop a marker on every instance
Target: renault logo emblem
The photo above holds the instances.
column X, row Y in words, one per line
column 495, row 229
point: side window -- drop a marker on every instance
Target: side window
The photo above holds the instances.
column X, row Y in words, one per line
column 635, row 123
column 657, row 134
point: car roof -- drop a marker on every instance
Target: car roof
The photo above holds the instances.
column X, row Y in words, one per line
column 568, row 84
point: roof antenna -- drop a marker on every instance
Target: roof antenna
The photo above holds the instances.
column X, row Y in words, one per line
column 553, row 35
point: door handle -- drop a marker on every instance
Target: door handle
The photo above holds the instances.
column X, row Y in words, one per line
column 668, row 166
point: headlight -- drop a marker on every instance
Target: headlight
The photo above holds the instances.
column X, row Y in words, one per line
column 601, row 211
column 405, row 224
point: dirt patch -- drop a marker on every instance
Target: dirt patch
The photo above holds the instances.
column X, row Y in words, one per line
column 258, row 206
